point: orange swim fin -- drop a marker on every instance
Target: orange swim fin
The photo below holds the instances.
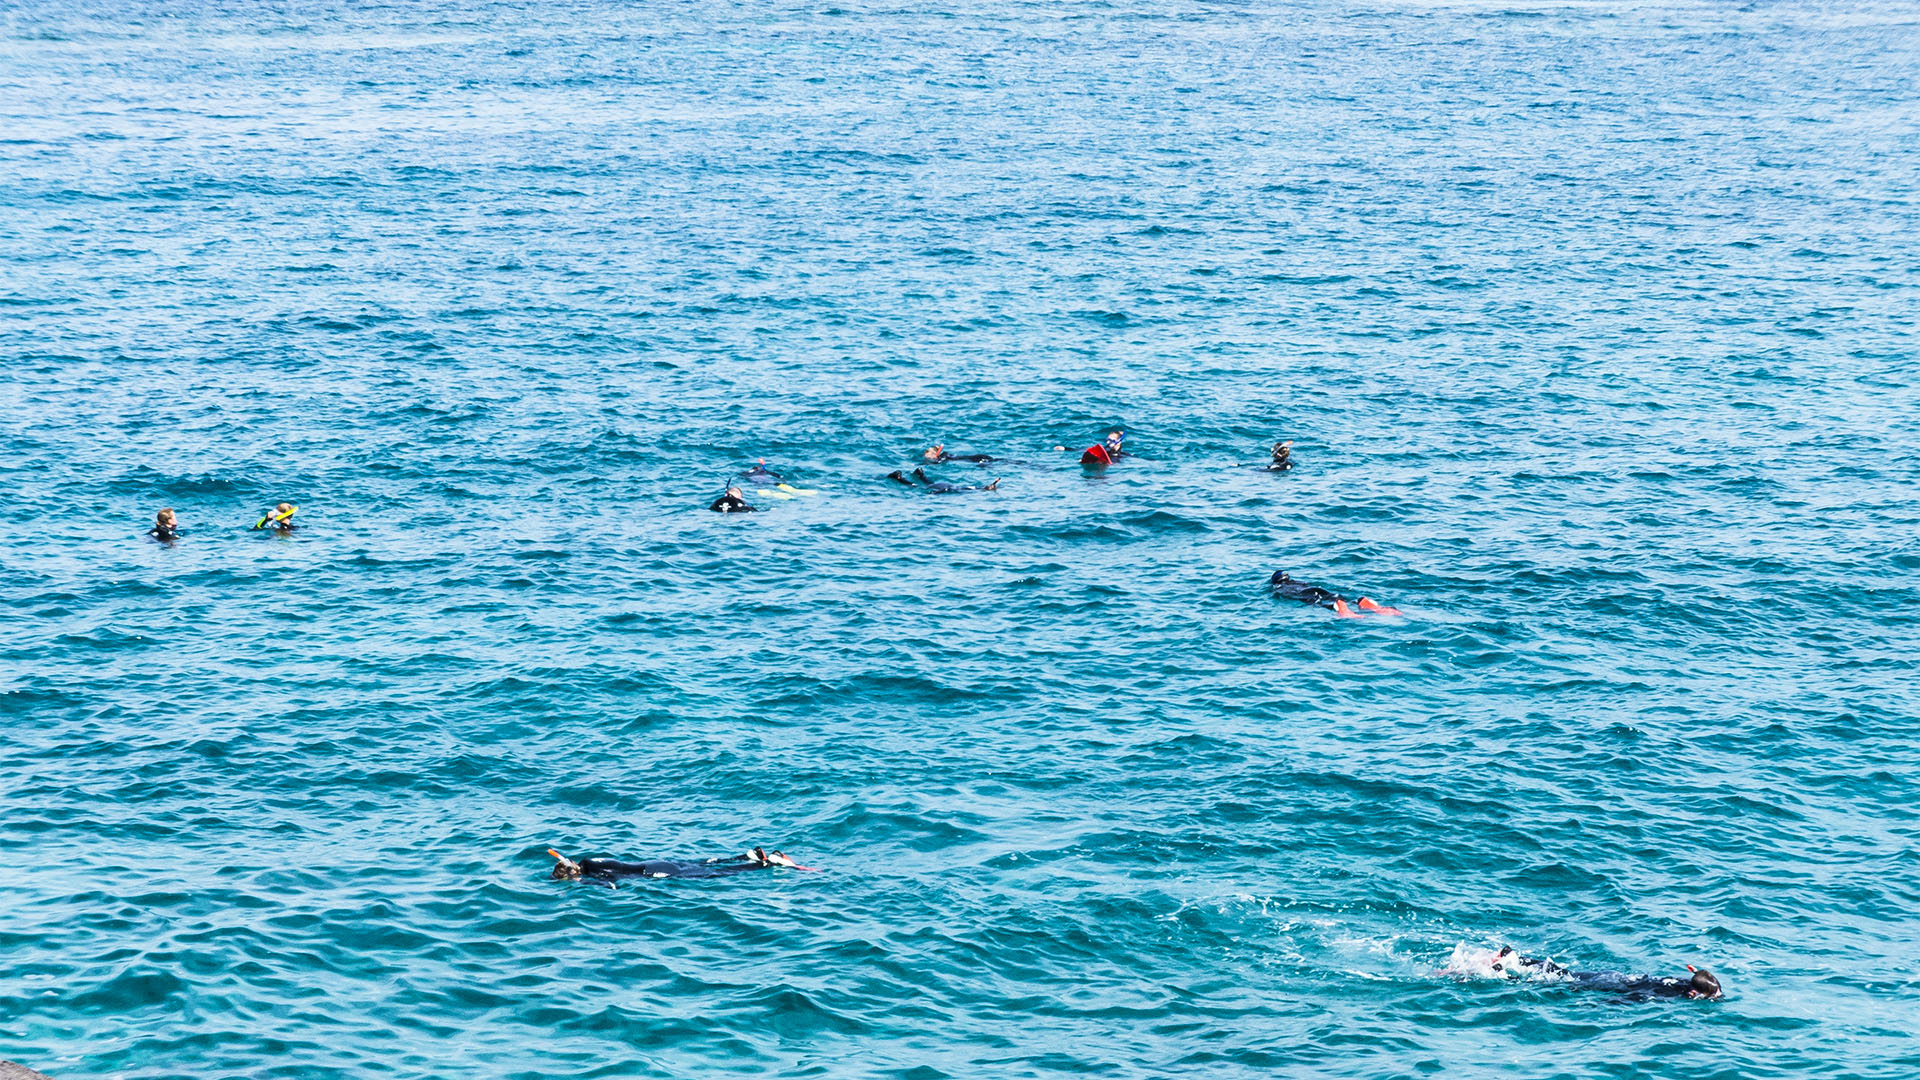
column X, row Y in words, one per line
column 1341, row 609
column 1368, row 605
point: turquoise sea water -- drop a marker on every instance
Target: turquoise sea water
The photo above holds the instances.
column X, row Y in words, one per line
column 1594, row 326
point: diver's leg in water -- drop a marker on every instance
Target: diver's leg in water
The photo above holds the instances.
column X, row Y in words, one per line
column 899, row 477
column 921, row 475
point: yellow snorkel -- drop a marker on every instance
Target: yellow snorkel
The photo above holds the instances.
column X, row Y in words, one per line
column 279, row 516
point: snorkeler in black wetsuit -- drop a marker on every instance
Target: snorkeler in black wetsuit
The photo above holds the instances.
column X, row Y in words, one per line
column 760, row 474
column 939, row 487
column 1701, row 984
column 610, row 871
column 937, row 454
column 1282, row 457
column 1287, row 588
column 733, row 502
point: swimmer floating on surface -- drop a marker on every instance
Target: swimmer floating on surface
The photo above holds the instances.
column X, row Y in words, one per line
column 279, row 519
column 166, row 527
column 780, row 489
column 1700, row 985
column 937, row 454
column 1286, row 587
column 609, row 871
column 939, row 487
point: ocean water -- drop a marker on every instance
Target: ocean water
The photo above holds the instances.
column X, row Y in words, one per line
column 1593, row 324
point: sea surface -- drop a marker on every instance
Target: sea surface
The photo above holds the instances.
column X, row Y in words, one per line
column 1594, row 327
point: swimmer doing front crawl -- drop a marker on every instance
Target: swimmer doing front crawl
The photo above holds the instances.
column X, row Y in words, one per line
column 1286, row 587
column 1700, row 983
column 609, row 871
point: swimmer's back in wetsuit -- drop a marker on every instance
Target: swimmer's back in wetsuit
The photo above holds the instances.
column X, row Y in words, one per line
column 1285, row 586
column 1701, row 983
column 731, row 503
column 609, row 872
column 1644, row 987
column 613, row 870
column 938, row 487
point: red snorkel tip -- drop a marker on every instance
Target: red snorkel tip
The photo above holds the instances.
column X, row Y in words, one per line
column 1691, row 968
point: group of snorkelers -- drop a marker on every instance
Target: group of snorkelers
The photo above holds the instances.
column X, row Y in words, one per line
column 166, row 524
column 1106, row 452
column 1700, row 984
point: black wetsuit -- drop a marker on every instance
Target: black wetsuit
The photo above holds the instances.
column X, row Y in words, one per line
column 1632, row 987
column 760, row 474
column 936, row 487
column 730, row 504
column 1285, row 586
column 610, row 870
column 1282, row 461
column 946, row 457
column 164, row 535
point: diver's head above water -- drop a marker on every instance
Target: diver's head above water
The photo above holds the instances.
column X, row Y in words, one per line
column 934, row 452
column 565, row 869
